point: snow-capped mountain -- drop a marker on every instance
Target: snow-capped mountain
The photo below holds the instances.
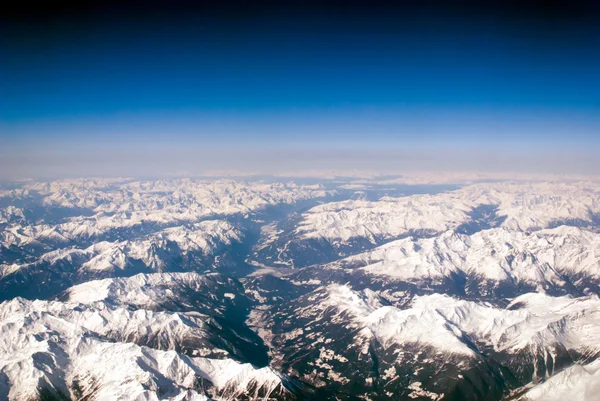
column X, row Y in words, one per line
column 52, row 350
column 577, row 382
column 336, row 229
column 356, row 339
column 201, row 246
column 355, row 289
column 523, row 207
column 217, row 300
column 562, row 260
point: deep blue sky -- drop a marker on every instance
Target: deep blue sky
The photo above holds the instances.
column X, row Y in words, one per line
column 337, row 77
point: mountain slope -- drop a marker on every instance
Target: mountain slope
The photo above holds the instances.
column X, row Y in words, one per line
column 199, row 247
column 561, row 260
column 100, row 352
column 356, row 343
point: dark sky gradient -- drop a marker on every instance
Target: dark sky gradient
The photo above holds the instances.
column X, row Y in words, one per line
column 327, row 75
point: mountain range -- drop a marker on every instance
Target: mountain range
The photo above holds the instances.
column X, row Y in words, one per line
column 313, row 289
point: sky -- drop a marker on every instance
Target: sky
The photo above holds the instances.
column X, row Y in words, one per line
column 148, row 89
